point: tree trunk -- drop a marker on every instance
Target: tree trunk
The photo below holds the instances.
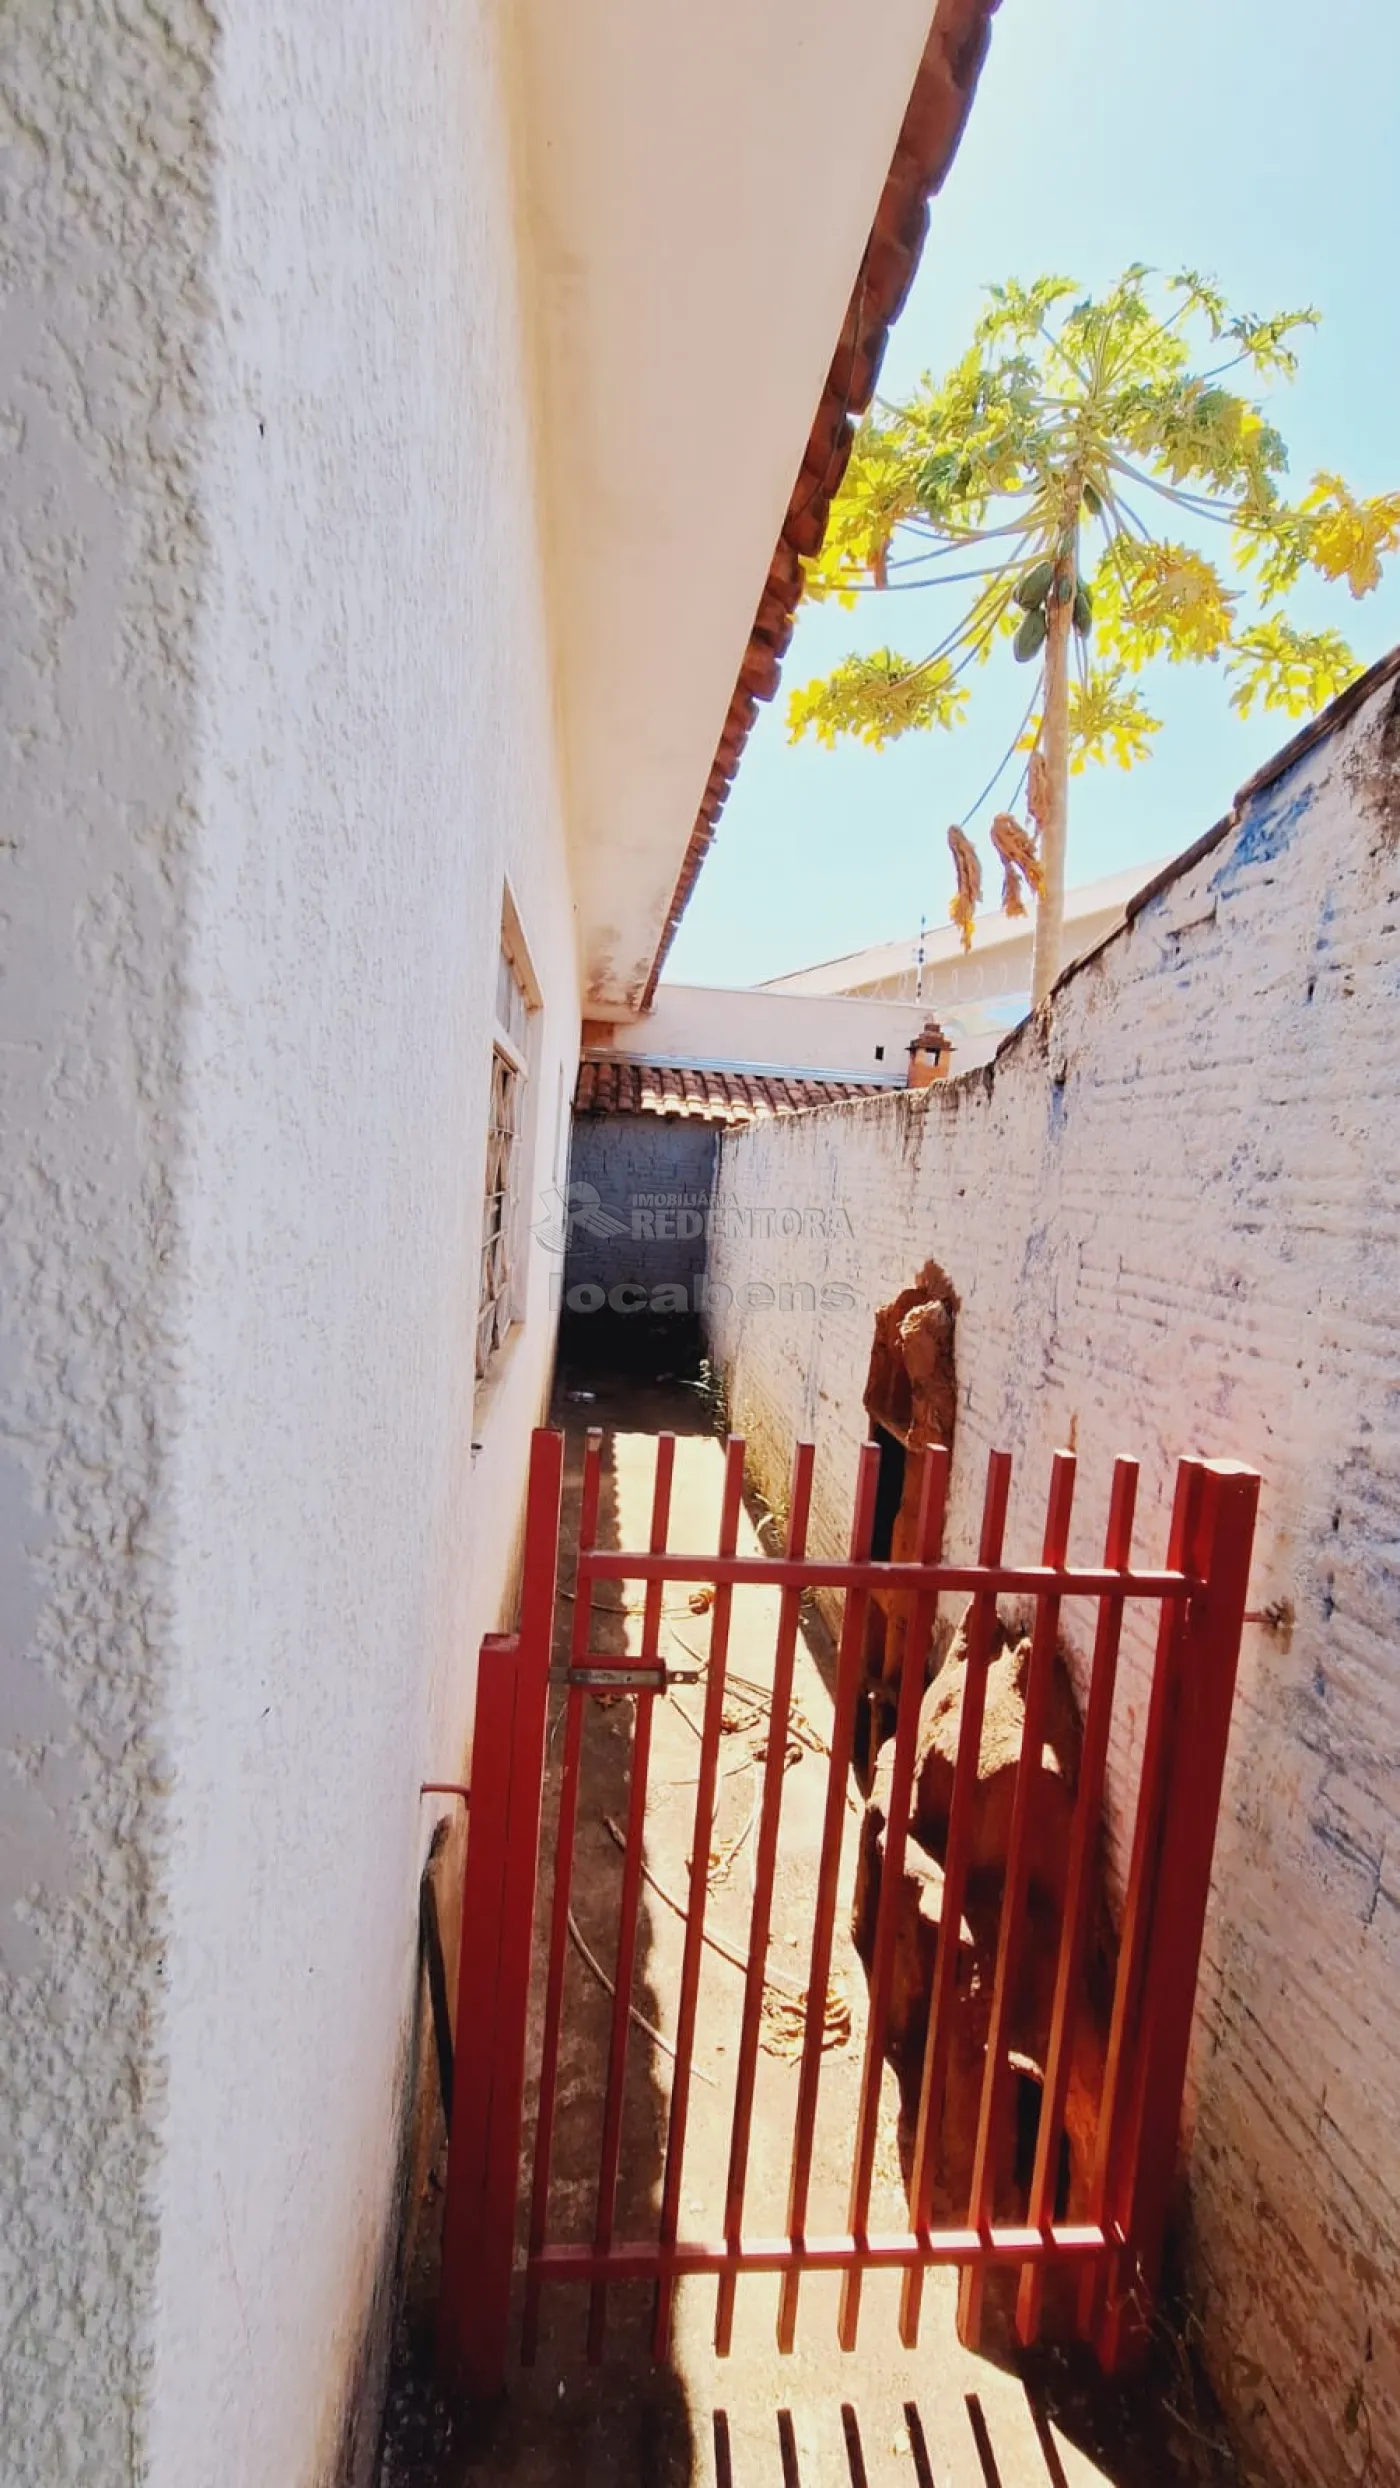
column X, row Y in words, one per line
column 1050, row 914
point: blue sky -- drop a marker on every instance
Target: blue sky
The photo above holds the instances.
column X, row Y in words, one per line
column 1254, row 139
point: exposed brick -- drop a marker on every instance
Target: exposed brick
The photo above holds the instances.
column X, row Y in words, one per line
column 1172, row 1214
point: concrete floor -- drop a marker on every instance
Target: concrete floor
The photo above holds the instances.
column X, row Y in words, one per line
column 937, row 2417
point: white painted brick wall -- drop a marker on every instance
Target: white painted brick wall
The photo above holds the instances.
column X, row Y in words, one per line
column 1172, row 1213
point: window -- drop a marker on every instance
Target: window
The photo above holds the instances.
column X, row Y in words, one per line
column 502, row 1135
column 501, row 1301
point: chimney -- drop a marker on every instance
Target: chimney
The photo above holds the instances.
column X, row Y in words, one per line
column 930, row 1056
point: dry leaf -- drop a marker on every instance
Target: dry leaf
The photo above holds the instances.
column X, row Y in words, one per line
column 793, row 1751
column 738, row 1716
column 963, row 908
column 1016, row 849
column 783, row 2022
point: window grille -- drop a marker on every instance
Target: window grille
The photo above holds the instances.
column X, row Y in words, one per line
column 499, row 1305
column 502, row 1133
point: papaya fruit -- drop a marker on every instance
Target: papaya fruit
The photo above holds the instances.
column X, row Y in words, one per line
column 1083, row 608
column 1030, row 638
column 1033, row 589
column 1092, row 501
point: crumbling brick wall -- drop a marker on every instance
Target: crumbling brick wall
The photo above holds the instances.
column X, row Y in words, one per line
column 1171, row 1212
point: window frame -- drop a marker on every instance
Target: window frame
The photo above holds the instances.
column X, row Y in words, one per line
column 514, row 1052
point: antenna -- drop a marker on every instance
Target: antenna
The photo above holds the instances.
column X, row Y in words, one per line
column 919, row 964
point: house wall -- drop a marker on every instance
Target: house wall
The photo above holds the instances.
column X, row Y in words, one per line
column 797, row 1032
column 998, row 966
column 102, row 560
column 628, row 1160
column 1172, row 1214
column 279, row 719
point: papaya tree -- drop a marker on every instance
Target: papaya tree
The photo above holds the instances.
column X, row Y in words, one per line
column 1060, row 484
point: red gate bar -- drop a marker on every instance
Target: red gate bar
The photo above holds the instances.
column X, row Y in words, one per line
column 1085, row 1834
column 981, row 1624
column 882, row 2251
column 1132, row 1941
column 610, row 2151
column 498, row 1907
column 1143, row 2156
column 711, row 1732
column 779, row 1572
column 765, row 1865
column 478, row 2003
column 850, row 1661
column 928, row 1543
column 563, row 1874
column 986, row 2169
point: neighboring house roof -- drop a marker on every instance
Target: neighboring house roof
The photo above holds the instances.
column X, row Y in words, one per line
column 943, row 944
column 619, row 1084
column 928, row 142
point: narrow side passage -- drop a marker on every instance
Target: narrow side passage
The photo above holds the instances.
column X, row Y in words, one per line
column 881, row 2415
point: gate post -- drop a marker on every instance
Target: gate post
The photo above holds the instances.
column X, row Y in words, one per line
column 1204, row 1658
column 493, row 1973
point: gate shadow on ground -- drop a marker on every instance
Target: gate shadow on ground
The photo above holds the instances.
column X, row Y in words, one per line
column 913, row 2452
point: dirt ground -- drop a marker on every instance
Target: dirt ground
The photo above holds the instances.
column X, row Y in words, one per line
column 937, row 2417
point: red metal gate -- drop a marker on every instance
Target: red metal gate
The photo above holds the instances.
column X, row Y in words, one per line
column 1200, row 1596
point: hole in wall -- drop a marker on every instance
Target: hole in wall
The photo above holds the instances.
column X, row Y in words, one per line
column 889, row 1491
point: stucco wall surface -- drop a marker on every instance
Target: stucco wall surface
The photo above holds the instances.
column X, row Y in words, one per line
column 378, row 754
column 281, row 721
column 1172, row 1213
column 783, row 1031
column 105, row 221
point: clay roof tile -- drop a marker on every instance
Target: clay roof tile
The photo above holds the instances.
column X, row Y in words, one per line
column 620, row 1085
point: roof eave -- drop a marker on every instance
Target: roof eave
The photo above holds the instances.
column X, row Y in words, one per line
column 928, row 142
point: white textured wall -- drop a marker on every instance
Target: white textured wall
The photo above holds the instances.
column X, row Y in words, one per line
column 794, row 1032
column 281, row 719
column 1172, row 1212
column 101, row 322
